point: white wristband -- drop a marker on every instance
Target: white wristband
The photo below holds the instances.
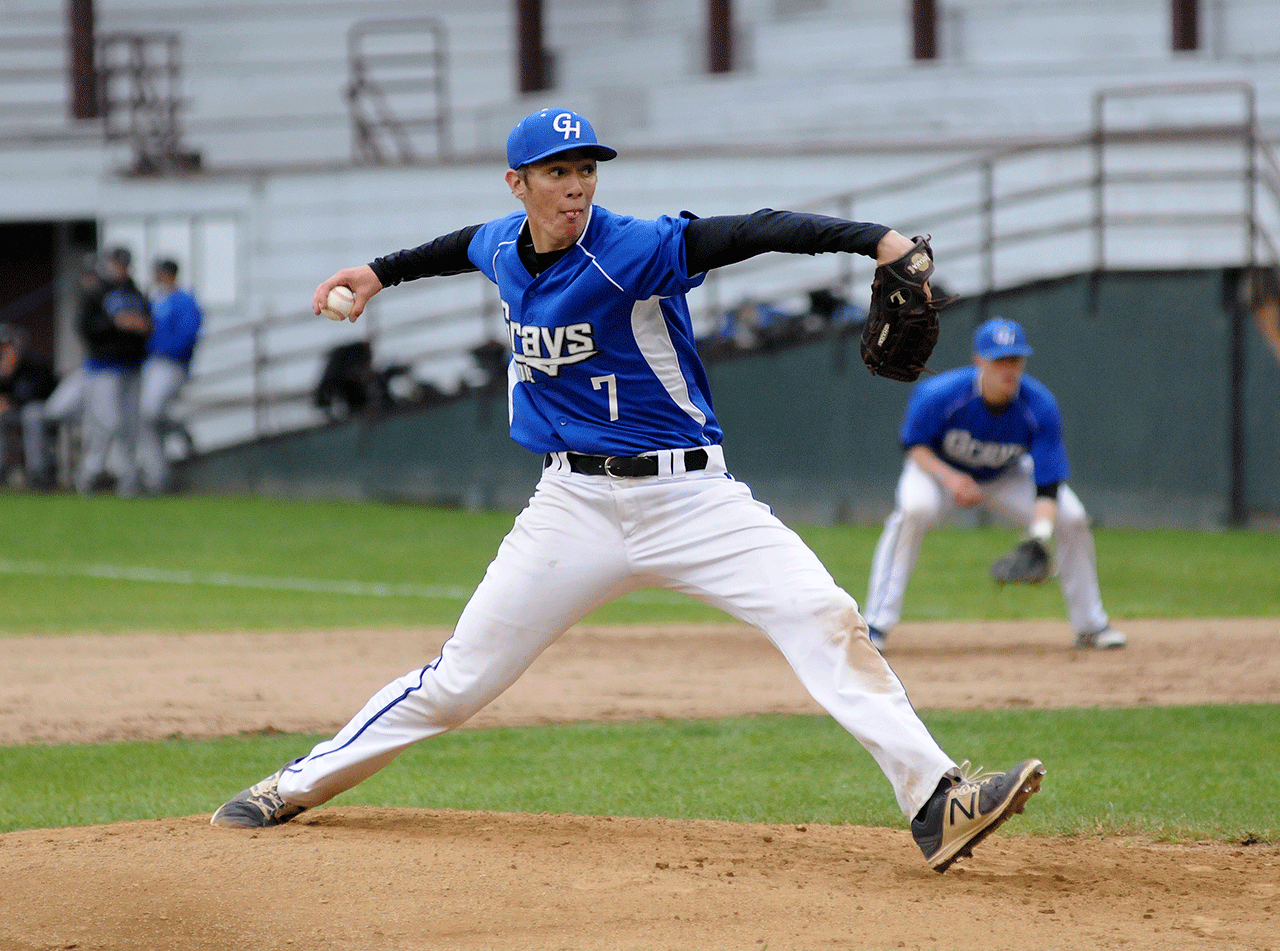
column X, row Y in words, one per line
column 1042, row 528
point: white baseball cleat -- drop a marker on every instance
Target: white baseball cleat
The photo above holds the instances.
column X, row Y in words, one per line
column 1104, row 640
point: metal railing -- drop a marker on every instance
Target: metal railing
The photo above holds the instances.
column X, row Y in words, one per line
column 265, row 382
column 398, row 89
column 986, row 236
column 139, row 98
column 1106, row 200
column 137, row 76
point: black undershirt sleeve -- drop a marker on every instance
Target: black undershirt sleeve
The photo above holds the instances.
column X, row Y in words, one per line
column 1047, row 491
column 439, row 257
column 709, row 243
column 726, row 239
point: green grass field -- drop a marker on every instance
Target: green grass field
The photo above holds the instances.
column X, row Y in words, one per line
column 1111, row 772
column 175, row 564
column 104, row 565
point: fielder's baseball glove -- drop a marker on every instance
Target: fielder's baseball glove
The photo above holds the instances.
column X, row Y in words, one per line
column 902, row 321
column 1029, row 563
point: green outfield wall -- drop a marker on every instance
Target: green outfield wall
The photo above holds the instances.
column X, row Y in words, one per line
column 1142, row 365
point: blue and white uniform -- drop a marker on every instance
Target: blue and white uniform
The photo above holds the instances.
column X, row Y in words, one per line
column 605, row 382
column 1011, row 454
column 176, row 319
column 947, row 414
column 604, row 358
column 604, row 362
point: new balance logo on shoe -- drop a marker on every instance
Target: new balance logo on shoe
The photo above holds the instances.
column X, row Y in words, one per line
column 959, row 817
column 958, row 804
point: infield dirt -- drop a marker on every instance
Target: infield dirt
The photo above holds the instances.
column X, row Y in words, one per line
column 373, row 879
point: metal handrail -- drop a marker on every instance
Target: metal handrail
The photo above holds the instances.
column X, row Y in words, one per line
column 368, row 93
column 980, row 237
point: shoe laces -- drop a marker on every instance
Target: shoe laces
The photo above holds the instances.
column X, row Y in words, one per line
column 969, row 775
column 267, row 791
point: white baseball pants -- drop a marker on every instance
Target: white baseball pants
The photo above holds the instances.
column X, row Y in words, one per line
column 584, row 541
column 30, row 418
column 110, row 415
column 922, row 504
column 63, row 405
column 162, row 378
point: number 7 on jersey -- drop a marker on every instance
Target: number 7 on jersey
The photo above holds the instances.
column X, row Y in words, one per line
column 609, row 382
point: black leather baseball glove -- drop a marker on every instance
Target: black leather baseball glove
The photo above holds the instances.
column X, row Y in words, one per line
column 1029, row 563
column 902, row 320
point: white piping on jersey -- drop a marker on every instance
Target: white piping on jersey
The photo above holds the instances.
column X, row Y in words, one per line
column 493, row 263
column 649, row 326
column 582, row 237
column 597, row 266
column 595, row 263
column 513, row 377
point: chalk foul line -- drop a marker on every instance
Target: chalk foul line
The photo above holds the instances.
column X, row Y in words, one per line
column 223, row 579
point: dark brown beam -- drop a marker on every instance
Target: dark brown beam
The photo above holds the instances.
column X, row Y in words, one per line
column 924, row 29
column 83, row 70
column 1186, row 24
column 532, row 55
column 719, row 36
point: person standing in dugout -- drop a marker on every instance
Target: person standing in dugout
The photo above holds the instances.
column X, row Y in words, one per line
column 604, row 382
column 988, row 435
column 27, row 379
column 115, row 322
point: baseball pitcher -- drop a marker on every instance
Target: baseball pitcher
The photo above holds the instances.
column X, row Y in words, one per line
column 604, row 383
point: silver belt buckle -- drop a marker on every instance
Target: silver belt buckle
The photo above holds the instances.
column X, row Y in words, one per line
column 607, row 460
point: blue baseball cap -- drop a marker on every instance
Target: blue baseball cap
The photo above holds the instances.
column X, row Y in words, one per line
column 998, row 338
column 550, row 131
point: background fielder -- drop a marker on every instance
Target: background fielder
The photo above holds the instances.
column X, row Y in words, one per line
column 988, row 435
column 605, row 382
column 175, row 328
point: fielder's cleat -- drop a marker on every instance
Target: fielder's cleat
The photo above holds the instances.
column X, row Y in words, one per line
column 258, row 806
column 958, row 818
column 877, row 638
column 1104, row 640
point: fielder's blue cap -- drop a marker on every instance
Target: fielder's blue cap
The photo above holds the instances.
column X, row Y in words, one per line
column 550, row 131
column 999, row 338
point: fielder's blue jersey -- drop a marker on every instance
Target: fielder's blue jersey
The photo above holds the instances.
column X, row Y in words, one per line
column 604, row 358
column 175, row 326
column 947, row 414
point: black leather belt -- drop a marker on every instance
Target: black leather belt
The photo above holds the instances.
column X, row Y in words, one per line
column 629, row 467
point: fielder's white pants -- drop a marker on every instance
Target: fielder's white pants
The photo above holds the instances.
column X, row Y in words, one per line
column 923, row 502
column 30, row 417
column 110, row 415
column 162, row 378
column 584, row 541
column 64, row 404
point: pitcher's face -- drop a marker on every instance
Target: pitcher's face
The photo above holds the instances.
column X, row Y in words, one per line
column 557, row 196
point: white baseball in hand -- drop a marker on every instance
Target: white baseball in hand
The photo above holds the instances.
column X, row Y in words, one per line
column 342, row 300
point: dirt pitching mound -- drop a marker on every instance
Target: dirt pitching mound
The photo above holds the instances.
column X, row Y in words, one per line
column 375, row 879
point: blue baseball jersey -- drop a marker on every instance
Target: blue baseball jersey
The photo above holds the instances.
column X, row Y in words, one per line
column 604, row 358
column 947, row 414
column 175, row 326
